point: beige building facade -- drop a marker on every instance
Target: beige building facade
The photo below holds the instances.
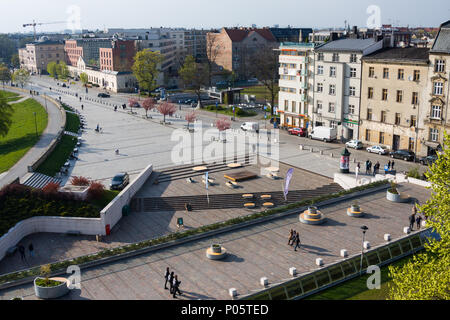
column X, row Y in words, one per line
column 37, row 55
column 393, row 100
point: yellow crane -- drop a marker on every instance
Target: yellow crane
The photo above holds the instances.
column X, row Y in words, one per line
column 34, row 24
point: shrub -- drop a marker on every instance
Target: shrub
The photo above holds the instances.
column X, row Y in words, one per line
column 96, row 191
column 80, row 181
column 51, row 188
column 414, row 173
column 393, row 188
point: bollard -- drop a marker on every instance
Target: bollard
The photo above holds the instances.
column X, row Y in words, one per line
column 293, row 271
column 232, row 292
column 387, row 237
column 264, row 281
column 301, row 147
column 312, row 150
column 331, row 155
column 321, row 152
column 366, row 245
column 319, row 262
column 344, row 253
column 406, row 230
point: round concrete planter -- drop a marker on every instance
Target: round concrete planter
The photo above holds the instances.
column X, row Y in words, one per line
column 356, row 208
column 393, row 197
column 312, row 210
column 312, row 216
column 216, row 252
column 355, row 211
column 52, row 292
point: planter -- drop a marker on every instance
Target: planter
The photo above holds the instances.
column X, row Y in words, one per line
column 356, row 208
column 216, row 248
column 216, row 252
column 394, row 197
column 312, row 210
column 52, row 292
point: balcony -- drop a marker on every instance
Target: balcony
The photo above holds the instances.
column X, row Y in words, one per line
column 303, row 98
column 287, row 71
column 304, row 85
column 303, row 73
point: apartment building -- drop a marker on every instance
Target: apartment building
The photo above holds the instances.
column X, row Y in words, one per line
column 337, row 88
column 392, row 98
column 119, row 57
column 436, row 111
column 37, row 55
column 296, row 84
column 195, row 44
column 88, row 48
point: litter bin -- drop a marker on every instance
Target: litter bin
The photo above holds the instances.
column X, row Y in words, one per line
column 125, row 210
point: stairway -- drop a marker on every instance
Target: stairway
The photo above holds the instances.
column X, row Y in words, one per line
column 226, row 201
column 39, row 181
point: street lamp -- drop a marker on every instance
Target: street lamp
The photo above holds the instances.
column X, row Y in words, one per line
column 364, row 229
column 35, row 123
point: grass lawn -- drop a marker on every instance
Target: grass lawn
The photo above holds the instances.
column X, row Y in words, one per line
column 22, row 133
column 356, row 289
column 229, row 111
column 11, row 96
column 61, row 153
column 107, row 197
column 261, row 92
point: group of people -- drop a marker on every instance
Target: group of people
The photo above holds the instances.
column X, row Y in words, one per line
column 22, row 251
column 174, row 283
column 415, row 218
column 376, row 167
column 294, row 239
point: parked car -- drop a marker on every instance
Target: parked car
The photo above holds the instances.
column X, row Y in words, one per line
column 377, row 149
column 250, row 126
column 120, row 181
column 103, row 95
column 325, row 134
column 301, row 132
column 403, row 154
column 428, row 161
column 355, row 144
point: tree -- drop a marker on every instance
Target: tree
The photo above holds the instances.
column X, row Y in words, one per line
column 5, row 75
column 167, row 109
column 6, row 112
column 7, row 48
column 15, row 61
column 84, row 78
column 146, row 69
column 94, row 62
column 148, row 104
column 427, row 276
column 265, row 69
column 191, row 117
column 132, row 102
column 194, row 75
column 62, row 70
column 223, row 124
column 52, row 69
column 21, row 76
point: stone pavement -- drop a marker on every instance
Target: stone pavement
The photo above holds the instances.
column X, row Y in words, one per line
column 255, row 252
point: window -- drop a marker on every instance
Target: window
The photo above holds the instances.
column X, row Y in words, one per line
column 413, row 122
column 335, row 57
column 369, row 114
column 331, row 107
column 439, row 66
column 438, row 88
column 415, row 98
column 381, row 139
column 399, row 96
column 385, row 73
column 367, row 135
column 294, row 106
column 353, row 58
column 384, row 95
column 434, row 135
column 319, row 69
column 401, row 74
column 397, row 118
column 352, row 72
column 333, row 124
column 332, row 71
column 436, row 112
column 319, row 87
column 320, row 57
column 371, row 72
column 286, row 105
column 411, row 144
column 416, row 75
column 332, row 89
column 351, row 109
column 383, row 116
column 370, row 93
column 352, row 91
column 319, row 106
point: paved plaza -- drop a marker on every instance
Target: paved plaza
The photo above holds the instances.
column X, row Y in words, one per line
column 255, row 252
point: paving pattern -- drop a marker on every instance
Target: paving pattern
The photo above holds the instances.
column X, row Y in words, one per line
column 255, row 251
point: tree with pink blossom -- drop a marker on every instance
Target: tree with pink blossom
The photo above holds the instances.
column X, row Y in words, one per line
column 132, row 102
column 223, row 124
column 148, row 104
column 167, row 109
column 191, row 117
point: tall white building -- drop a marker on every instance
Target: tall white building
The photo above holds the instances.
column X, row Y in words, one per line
column 337, row 88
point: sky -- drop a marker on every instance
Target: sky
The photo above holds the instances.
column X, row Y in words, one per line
column 101, row 14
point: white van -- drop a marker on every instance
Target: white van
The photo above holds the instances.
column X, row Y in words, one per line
column 250, row 126
column 325, row 134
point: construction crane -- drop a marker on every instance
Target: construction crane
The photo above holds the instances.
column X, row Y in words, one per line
column 34, row 24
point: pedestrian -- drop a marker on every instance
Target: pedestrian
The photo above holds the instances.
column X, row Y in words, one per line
column 31, row 248
column 171, row 277
column 392, row 164
column 117, row 152
column 389, row 165
column 294, row 235
column 418, row 221
column 82, row 107
column 176, row 287
column 297, row 241
column 291, row 234
column 166, row 276
column 80, row 99
column 412, row 217
column 358, row 167
column 22, row 252
column 367, row 167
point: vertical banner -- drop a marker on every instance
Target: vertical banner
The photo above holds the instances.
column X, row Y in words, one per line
column 288, row 181
column 207, row 185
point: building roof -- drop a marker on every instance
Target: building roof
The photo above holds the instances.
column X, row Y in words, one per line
column 46, row 42
column 237, row 35
column 442, row 42
column 347, row 45
column 410, row 54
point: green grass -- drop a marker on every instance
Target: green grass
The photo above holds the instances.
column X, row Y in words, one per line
column 22, row 133
column 260, row 92
column 65, row 147
column 107, row 197
column 356, row 289
column 240, row 113
column 11, row 96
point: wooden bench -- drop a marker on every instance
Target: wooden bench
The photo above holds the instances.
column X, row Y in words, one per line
column 266, row 197
column 249, row 205
column 248, row 196
column 268, row 205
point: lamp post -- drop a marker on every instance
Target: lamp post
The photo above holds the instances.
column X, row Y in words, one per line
column 364, row 229
column 35, row 123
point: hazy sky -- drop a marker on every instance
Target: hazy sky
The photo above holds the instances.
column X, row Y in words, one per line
column 217, row 13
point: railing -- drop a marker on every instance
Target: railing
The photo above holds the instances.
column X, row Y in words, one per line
column 311, row 283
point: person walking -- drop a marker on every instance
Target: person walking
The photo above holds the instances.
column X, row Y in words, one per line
column 294, row 235
column 367, row 167
column 171, row 277
column 291, row 235
column 418, row 221
column 392, row 164
column 176, row 286
column 389, row 165
column 166, row 276
column 412, row 217
column 297, row 242
column 82, row 107
column 357, row 169
column 31, row 249
column 22, row 253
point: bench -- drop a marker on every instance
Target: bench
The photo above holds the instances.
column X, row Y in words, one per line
column 266, row 197
column 249, row 205
column 268, row 205
column 247, row 196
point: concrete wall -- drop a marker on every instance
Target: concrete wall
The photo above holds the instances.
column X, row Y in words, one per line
column 112, row 213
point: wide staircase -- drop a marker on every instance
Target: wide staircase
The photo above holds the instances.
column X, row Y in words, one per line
column 227, row 201
column 39, row 181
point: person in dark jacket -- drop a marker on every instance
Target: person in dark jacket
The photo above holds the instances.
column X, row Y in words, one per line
column 31, row 248
column 412, row 218
column 291, row 235
column 297, row 242
column 22, row 252
column 176, row 287
column 418, row 221
column 166, row 276
column 171, row 277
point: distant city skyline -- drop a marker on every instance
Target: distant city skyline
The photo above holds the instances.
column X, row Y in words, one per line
column 208, row 14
